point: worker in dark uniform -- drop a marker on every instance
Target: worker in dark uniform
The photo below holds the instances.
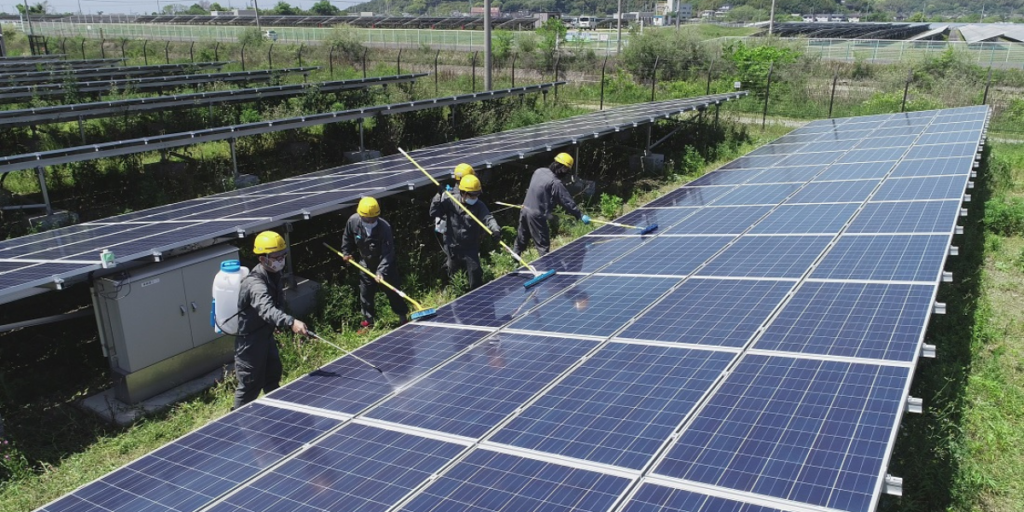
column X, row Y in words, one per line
column 260, row 299
column 465, row 234
column 440, row 230
column 371, row 236
column 546, row 188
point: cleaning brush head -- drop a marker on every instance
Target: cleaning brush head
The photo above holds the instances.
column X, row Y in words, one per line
column 423, row 313
column 538, row 279
column 648, row 229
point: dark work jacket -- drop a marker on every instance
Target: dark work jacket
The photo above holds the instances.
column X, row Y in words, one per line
column 439, row 222
column 545, row 191
column 260, row 300
column 376, row 250
column 461, row 229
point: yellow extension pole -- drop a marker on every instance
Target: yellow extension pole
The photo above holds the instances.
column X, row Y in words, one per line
column 591, row 220
column 352, row 261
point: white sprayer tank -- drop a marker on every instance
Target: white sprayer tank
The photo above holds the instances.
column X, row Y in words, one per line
column 226, row 286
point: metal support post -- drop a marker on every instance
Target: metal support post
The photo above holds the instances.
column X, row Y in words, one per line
column 474, row 72
column 514, row 57
column 81, row 129
column 41, row 173
column 364, row 62
column 767, row 94
column 832, row 97
column 399, row 64
column 906, row 90
column 145, row 55
column 988, row 82
column 234, row 158
column 362, row 147
column 618, row 49
column 216, row 51
column 654, row 76
column 647, row 148
column 436, row 56
column 83, row 48
column 301, row 47
column 242, row 52
column 167, row 52
column 711, row 66
column 330, row 61
column 488, row 84
column 270, row 56
column 289, row 270
column 191, row 52
column 124, row 57
column 603, row 66
column 103, row 51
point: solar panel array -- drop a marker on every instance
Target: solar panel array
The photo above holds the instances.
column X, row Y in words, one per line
column 39, row 262
column 754, row 354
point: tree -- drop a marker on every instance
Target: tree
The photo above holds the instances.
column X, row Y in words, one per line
column 217, row 7
column 746, row 13
column 324, row 8
column 37, row 8
column 284, row 9
column 551, row 33
column 197, row 10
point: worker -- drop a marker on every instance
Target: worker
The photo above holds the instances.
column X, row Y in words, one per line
column 545, row 187
column 260, row 303
column 371, row 236
column 461, row 170
column 462, row 230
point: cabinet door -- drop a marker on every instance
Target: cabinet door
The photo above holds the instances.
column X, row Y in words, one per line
column 155, row 327
column 198, row 281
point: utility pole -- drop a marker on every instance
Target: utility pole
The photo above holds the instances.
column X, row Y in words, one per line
column 29, row 19
column 771, row 18
column 620, row 37
column 256, row 6
column 487, row 45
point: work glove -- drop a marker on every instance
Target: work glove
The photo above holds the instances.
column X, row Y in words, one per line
column 441, row 189
column 496, row 236
column 585, row 219
column 380, row 277
column 346, row 258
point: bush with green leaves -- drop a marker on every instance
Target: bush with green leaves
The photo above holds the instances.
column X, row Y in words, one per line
column 674, row 51
column 611, row 205
column 1005, row 216
column 753, row 63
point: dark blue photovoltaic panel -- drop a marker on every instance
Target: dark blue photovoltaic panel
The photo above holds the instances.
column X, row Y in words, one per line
column 777, row 148
column 799, row 136
column 767, row 256
column 918, row 217
column 35, row 271
column 943, row 151
column 690, row 196
column 908, row 189
column 714, row 312
column 349, row 386
column 757, row 194
column 810, row 431
column 885, row 258
column 491, row 481
column 933, row 167
column 949, row 137
column 656, row 498
column 806, row 218
column 504, row 298
column 863, row 171
column 828, row 147
column 872, row 155
column 972, row 126
column 194, row 470
column 875, row 321
column 597, row 306
column 726, row 220
column 357, row 469
column 725, row 178
column 642, row 217
column 620, row 406
column 846, row 133
column 754, row 162
column 788, row 174
column 476, row 391
column 588, row 254
column 816, row 158
column 887, row 142
column 669, row 255
column 834, row 192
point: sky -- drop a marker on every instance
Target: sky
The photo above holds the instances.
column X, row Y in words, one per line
column 149, row 6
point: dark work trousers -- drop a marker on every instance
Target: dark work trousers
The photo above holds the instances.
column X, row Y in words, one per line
column 460, row 259
column 257, row 364
column 368, row 290
column 535, row 227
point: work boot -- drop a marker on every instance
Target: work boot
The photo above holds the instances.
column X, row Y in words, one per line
column 364, row 327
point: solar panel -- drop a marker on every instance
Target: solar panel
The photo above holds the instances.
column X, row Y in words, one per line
column 147, row 234
column 748, row 358
column 54, row 76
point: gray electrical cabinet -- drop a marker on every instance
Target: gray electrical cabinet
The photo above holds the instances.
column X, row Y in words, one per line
column 154, row 323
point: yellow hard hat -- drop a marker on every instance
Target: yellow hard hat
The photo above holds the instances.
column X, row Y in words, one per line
column 268, row 242
column 463, row 170
column 564, row 159
column 368, row 207
column 470, row 183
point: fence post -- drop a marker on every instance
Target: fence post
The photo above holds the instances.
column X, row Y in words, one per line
column 767, row 93
column 330, row 60
column 270, row 56
column 242, row 53
column 832, row 97
column 654, row 76
column 191, row 52
column 436, row 56
column 988, row 82
column 906, row 89
column 364, row 62
column 707, row 90
column 301, row 47
column 62, row 50
column 603, row 66
column 474, row 72
column 145, row 55
column 514, row 57
column 167, row 52
column 83, row 48
column 400, row 61
column 103, row 51
column 124, row 58
column 216, row 51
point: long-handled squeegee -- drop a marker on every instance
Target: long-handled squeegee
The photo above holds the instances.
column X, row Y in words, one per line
column 643, row 231
column 349, row 352
column 537, row 276
column 420, row 312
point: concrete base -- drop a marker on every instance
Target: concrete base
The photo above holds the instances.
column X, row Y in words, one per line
column 246, row 180
column 110, row 409
column 58, row 219
column 301, row 298
column 355, row 156
column 652, row 163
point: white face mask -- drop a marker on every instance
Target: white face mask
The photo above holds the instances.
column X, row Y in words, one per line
column 368, row 226
column 471, row 200
column 275, row 265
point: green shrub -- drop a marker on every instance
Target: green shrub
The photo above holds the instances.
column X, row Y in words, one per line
column 1005, row 216
column 610, row 205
